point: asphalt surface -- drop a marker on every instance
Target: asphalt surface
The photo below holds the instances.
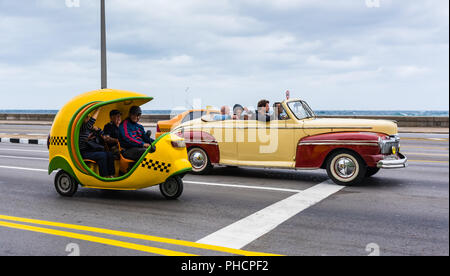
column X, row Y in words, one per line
column 396, row 212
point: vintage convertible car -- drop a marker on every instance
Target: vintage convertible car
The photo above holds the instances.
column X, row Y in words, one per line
column 349, row 149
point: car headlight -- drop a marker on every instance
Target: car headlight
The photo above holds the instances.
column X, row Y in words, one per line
column 389, row 145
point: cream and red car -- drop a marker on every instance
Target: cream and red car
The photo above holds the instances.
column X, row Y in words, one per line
column 166, row 126
column 349, row 149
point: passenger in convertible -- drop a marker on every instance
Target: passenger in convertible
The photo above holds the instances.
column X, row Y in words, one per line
column 240, row 112
column 132, row 136
column 278, row 112
column 224, row 114
column 262, row 114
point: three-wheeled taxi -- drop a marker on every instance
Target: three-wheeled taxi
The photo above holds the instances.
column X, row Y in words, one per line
column 165, row 167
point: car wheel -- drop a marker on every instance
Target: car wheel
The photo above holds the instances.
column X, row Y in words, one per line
column 372, row 171
column 199, row 161
column 346, row 168
column 65, row 185
column 172, row 188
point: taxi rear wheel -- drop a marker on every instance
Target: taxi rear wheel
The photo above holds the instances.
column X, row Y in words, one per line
column 172, row 188
column 199, row 161
column 65, row 185
column 346, row 168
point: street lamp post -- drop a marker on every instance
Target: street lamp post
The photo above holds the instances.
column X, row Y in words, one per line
column 103, row 45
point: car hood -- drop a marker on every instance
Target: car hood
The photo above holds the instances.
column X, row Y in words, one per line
column 325, row 125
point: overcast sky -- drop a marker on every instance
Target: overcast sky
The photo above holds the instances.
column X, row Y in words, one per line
column 337, row 55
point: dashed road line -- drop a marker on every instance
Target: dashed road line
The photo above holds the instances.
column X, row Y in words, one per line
column 22, row 150
column 242, row 186
column 23, row 157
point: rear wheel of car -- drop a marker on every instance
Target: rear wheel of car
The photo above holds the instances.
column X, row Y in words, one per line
column 199, row 160
column 65, row 185
column 172, row 188
column 371, row 171
column 346, row 168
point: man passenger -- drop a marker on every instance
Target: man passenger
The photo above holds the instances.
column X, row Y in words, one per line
column 262, row 114
column 224, row 114
column 132, row 136
column 278, row 112
column 111, row 131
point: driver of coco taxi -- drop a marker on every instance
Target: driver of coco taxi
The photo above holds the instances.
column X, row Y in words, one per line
column 132, row 136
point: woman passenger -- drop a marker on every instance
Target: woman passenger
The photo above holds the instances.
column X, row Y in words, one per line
column 92, row 150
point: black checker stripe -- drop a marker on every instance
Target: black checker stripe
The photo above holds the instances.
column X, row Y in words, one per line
column 156, row 165
column 58, row 141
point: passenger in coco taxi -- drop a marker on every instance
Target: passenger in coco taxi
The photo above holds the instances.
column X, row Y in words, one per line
column 132, row 136
column 91, row 146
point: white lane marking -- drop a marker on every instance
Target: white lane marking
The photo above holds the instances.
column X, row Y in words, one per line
column 427, row 154
column 23, row 157
column 23, row 169
column 187, row 182
column 245, row 231
column 22, row 150
column 243, row 186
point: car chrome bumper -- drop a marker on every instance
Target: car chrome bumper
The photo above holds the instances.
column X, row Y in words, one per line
column 393, row 162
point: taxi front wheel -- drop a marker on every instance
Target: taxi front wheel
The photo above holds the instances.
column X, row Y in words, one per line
column 65, row 185
column 172, row 188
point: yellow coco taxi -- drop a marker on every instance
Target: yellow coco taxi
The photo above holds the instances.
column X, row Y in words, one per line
column 166, row 166
column 349, row 149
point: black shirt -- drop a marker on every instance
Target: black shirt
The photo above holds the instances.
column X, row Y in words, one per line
column 111, row 130
column 262, row 117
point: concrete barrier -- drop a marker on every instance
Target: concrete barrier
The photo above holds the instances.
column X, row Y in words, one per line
column 406, row 121
column 403, row 121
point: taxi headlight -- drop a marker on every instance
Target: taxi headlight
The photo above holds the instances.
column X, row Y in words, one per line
column 178, row 144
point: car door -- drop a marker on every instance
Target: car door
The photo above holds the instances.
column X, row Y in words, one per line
column 266, row 144
column 225, row 134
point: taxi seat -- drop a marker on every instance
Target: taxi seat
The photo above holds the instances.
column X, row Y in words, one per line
column 92, row 165
column 124, row 163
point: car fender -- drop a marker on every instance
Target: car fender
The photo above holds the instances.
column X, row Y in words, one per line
column 202, row 140
column 312, row 151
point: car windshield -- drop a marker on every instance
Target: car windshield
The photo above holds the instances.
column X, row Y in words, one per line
column 301, row 110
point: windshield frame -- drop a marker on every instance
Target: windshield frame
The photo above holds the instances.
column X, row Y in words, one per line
column 309, row 112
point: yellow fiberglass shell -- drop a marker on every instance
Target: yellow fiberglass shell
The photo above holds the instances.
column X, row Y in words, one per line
column 152, row 169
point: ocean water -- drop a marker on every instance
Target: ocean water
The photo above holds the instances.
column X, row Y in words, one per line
column 318, row 112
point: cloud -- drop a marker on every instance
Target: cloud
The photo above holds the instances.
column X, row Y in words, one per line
column 228, row 51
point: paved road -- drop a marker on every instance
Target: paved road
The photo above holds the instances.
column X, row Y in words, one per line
column 397, row 212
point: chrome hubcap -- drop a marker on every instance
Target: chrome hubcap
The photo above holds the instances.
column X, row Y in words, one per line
column 345, row 167
column 197, row 160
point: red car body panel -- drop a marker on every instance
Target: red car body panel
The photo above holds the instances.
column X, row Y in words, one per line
column 203, row 140
column 312, row 151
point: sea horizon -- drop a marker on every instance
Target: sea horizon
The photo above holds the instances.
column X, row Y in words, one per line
column 406, row 113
